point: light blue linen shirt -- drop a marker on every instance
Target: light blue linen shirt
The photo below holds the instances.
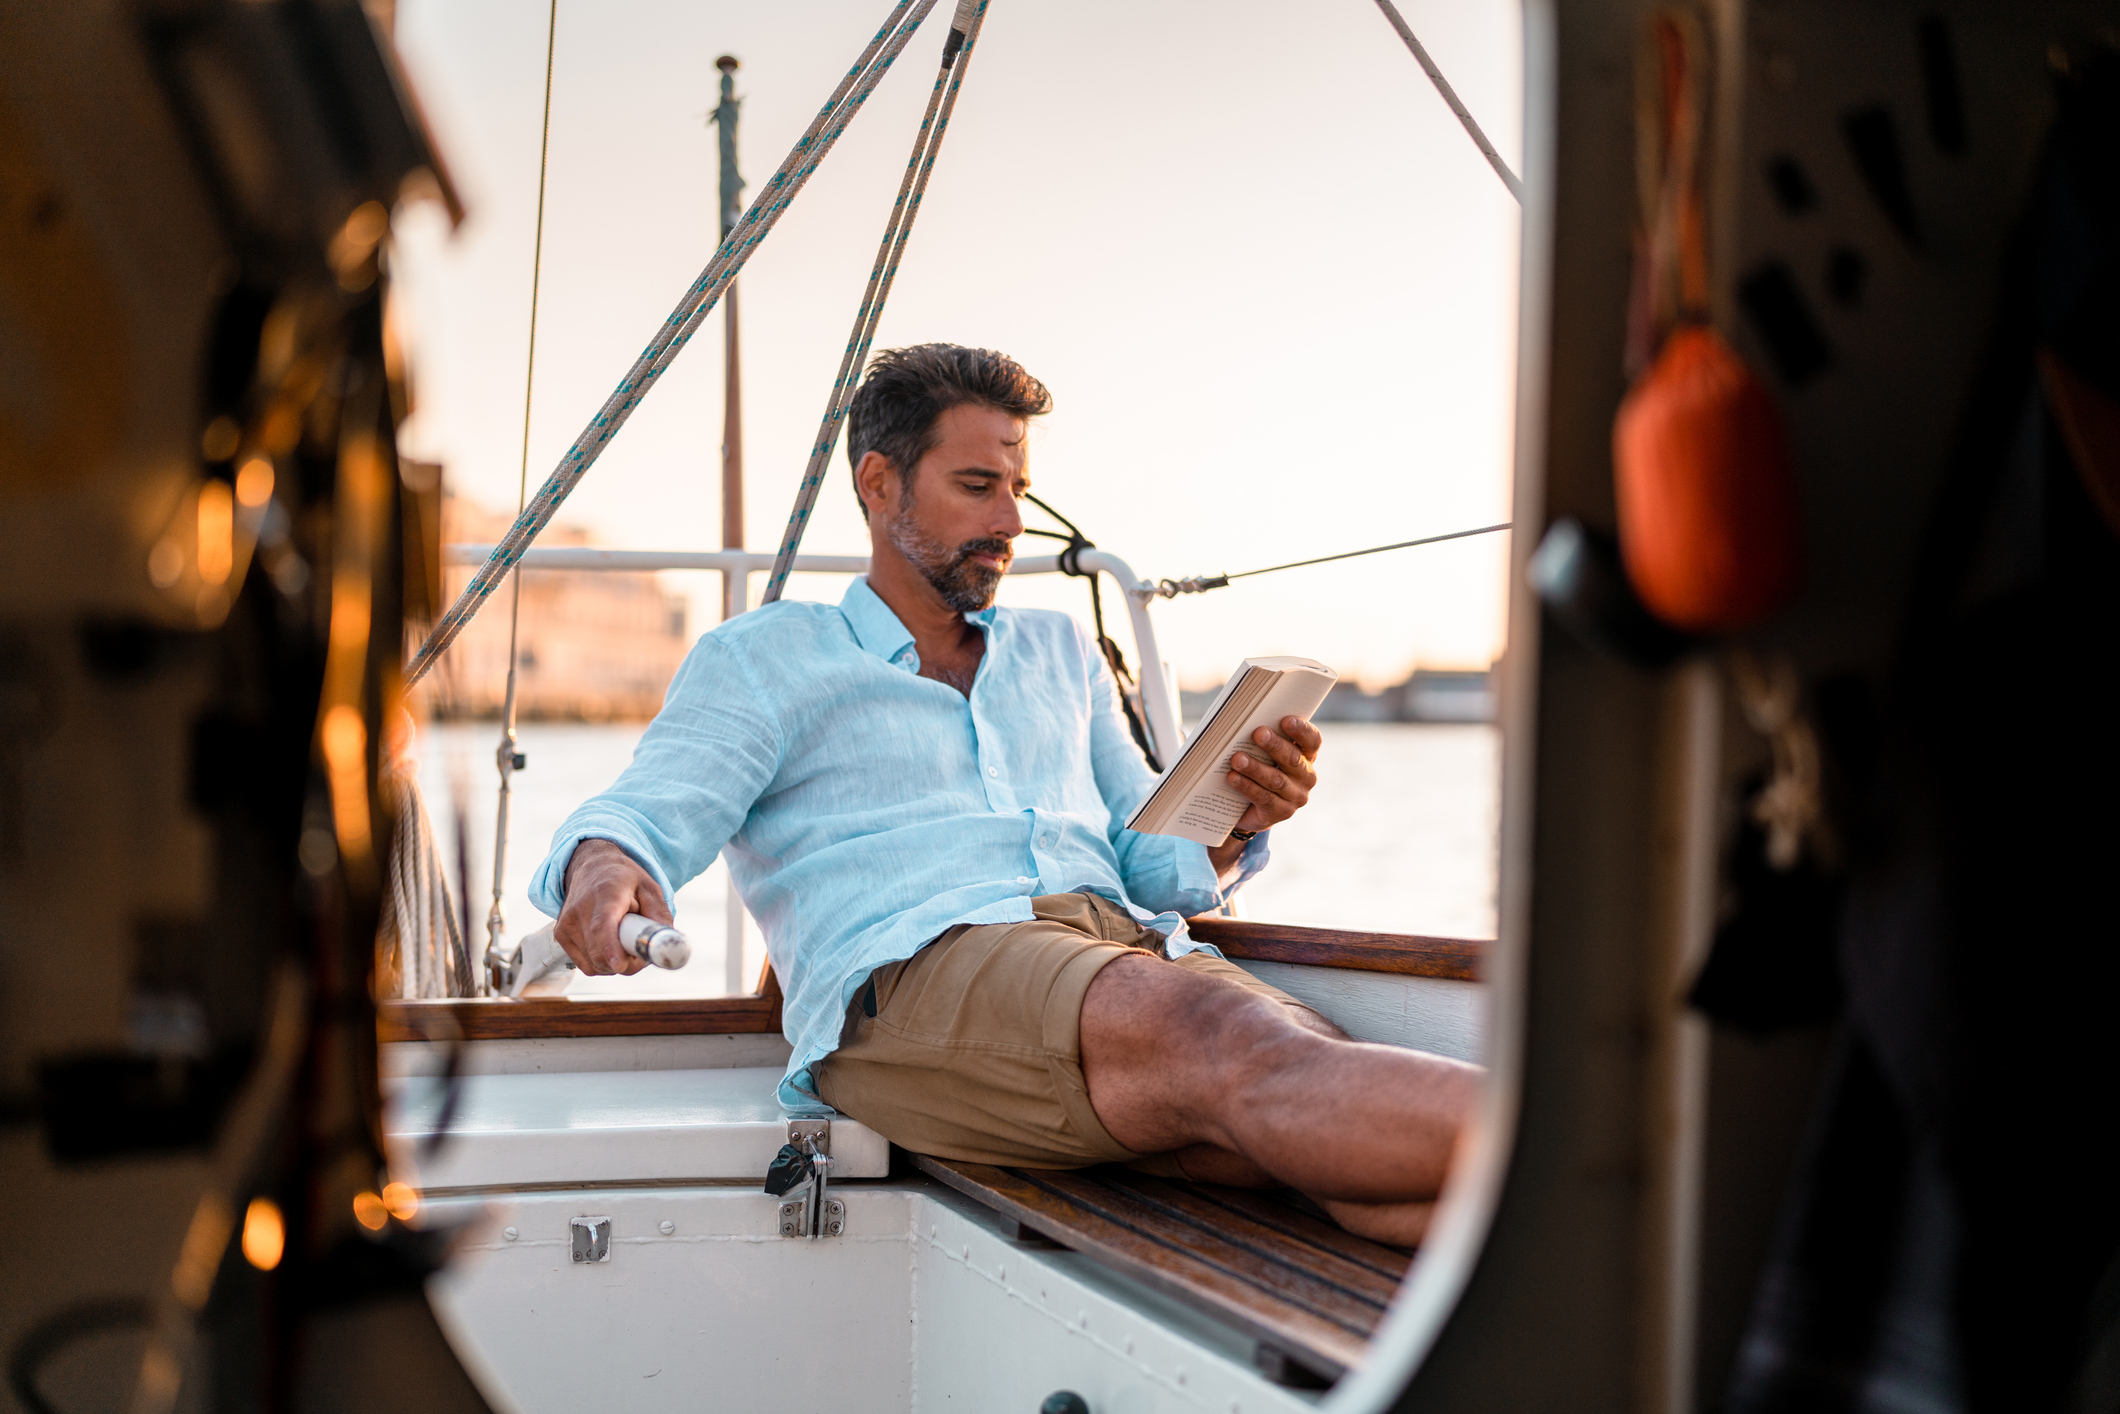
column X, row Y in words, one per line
column 864, row 809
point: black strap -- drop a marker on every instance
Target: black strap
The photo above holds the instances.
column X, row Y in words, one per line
column 1071, row 564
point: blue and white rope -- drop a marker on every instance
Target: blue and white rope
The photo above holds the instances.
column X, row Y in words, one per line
column 942, row 100
column 699, row 300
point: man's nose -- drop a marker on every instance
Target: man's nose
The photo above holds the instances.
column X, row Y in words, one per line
column 1010, row 523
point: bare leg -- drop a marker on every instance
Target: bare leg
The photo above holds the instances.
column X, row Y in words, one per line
column 1400, row 1224
column 1175, row 1061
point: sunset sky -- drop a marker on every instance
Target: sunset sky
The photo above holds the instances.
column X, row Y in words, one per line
column 1267, row 277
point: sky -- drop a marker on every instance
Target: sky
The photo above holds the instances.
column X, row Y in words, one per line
column 1268, row 279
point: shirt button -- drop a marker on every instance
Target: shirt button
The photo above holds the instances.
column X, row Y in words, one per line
column 1023, row 879
column 1045, row 840
column 993, row 770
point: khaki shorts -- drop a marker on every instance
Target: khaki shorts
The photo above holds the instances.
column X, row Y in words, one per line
column 971, row 1049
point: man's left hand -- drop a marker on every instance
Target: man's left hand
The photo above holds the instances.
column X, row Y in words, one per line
column 1276, row 773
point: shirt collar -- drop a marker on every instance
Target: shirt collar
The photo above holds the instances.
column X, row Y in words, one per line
column 878, row 630
column 875, row 627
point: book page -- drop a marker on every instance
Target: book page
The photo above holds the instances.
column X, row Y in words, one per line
column 1195, row 801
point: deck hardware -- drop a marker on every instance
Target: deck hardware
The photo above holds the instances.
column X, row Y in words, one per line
column 589, row 1239
column 1289, row 1371
column 666, row 1227
column 1064, row 1401
column 803, row 1169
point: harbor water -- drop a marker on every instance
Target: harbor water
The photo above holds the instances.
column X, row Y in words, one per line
column 1400, row 836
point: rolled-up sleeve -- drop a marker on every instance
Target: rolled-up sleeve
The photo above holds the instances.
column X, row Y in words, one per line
column 707, row 756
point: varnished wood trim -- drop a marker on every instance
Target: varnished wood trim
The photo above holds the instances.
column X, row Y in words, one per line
column 1456, row 959
column 539, row 1018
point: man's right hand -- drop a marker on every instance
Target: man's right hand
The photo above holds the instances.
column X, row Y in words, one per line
column 603, row 886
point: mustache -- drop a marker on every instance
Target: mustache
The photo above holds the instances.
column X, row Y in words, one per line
column 985, row 546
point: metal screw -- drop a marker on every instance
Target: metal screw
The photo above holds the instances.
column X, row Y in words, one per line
column 510, row 1233
column 666, row 1227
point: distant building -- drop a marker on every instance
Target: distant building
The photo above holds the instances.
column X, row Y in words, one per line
column 596, row 645
column 1430, row 696
column 1427, row 696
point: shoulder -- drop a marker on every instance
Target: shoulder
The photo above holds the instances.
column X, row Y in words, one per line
column 780, row 627
column 764, row 645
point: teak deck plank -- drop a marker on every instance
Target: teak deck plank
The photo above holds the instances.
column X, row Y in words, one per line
column 1277, row 1301
column 1320, row 1297
column 1263, row 1239
column 1388, row 1262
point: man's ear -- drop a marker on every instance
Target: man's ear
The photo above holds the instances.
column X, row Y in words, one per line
column 874, row 480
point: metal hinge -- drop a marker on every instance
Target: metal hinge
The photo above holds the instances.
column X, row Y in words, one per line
column 588, row 1239
column 807, row 1211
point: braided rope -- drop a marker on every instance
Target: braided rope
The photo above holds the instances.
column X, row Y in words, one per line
column 699, row 300
column 420, row 936
column 942, row 100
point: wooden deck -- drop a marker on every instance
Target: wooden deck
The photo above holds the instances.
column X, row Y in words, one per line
column 1309, row 1292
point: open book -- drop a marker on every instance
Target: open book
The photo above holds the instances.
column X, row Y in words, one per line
column 1195, row 802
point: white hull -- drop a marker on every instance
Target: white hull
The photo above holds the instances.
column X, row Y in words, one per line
column 927, row 1303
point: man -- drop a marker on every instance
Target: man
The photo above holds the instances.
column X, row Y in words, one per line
column 922, row 799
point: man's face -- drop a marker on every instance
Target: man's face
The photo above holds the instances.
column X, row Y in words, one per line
column 955, row 520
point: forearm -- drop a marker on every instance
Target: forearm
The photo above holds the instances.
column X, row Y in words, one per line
column 601, row 825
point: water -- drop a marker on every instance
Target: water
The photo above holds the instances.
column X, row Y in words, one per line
column 1399, row 837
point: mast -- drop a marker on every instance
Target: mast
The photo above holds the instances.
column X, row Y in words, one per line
column 735, row 584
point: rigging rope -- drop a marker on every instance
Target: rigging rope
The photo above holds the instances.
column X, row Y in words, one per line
column 1442, row 86
column 506, row 758
column 942, row 100
column 699, row 299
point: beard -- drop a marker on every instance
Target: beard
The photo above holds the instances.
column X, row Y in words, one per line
column 964, row 586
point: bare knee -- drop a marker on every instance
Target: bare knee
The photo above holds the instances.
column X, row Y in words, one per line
column 1246, row 1032
column 1165, row 1050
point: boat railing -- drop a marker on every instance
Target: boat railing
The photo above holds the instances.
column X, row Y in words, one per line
column 1158, row 692
column 1157, row 695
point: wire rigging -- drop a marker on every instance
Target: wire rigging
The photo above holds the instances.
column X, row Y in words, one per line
column 1200, row 584
column 507, row 759
column 535, row 513
column 1457, row 106
column 1375, row 550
